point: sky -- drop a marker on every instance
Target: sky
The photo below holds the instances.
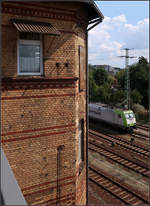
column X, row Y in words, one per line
column 125, row 25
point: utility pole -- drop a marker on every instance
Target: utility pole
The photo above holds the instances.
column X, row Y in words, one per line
column 127, row 77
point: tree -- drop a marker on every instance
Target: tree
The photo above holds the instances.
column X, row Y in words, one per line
column 100, row 76
column 102, row 87
column 136, row 96
column 143, row 61
column 139, row 73
column 92, row 87
column 120, row 76
column 116, row 97
column 139, row 79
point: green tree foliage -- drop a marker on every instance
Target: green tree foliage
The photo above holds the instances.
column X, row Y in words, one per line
column 116, row 97
column 102, row 89
column 139, row 73
column 100, row 76
column 143, row 61
column 120, row 76
column 92, row 86
column 101, row 86
column 136, row 96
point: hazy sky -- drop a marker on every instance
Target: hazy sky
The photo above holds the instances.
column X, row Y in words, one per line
column 125, row 25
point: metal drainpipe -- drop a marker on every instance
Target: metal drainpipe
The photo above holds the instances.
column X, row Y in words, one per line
column 59, row 149
column 87, row 112
column 58, row 192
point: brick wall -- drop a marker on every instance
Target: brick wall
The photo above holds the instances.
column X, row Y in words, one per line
column 40, row 114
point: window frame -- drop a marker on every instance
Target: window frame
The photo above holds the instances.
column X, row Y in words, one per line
column 27, row 42
column 82, row 70
column 81, row 157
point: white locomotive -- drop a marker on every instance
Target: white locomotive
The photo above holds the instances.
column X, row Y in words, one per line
column 124, row 119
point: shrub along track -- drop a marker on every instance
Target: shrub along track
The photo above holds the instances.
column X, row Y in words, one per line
column 112, row 185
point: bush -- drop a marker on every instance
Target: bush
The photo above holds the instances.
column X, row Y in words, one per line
column 140, row 113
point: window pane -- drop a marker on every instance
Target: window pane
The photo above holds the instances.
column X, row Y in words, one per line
column 29, row 59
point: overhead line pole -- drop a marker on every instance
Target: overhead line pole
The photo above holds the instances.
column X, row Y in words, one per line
column 127, row 77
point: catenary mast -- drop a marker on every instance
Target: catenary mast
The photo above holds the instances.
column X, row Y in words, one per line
column 127, row 77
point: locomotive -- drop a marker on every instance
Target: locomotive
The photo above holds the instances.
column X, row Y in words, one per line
column 124, row 119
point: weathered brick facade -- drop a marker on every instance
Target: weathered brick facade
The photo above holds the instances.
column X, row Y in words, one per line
column 40, row 114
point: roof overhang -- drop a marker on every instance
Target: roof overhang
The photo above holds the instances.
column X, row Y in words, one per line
column 93, row 10
column 95, row 16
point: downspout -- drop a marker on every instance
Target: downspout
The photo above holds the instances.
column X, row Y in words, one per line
column 59, row 149
column 87, row 101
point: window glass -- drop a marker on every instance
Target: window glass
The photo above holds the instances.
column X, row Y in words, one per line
column 129, row 115
column 29, row 58
column 29, row 53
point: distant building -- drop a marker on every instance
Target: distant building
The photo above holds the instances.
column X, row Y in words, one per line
column 116, row 69
column 111, row 70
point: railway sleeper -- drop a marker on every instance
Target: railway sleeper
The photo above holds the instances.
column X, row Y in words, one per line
column 112, row 155
column 91, row 175
column 108, row 185
column 125, row 161
column 98, row 179
column 133, row 166
column 129, row 164
column 112, row 187
column 117, row 158
column 103, row 182
column 122, row 193
column 126, row 197
column 138, row 203
column 117, row 190
column 132, row 200
column 146, row 173
column 143, row 170
column 138, row 168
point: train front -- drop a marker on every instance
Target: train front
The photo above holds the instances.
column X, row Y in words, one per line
column 130, row 119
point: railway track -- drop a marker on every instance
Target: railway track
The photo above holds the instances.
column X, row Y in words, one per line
column 137, row 166
column 122, row 192
column 144, row 127
column 136, row 148
column 140, row 134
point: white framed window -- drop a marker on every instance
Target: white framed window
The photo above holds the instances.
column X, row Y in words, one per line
column 30, row 54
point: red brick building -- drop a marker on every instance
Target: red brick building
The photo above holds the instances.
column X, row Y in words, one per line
column 44, row 95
